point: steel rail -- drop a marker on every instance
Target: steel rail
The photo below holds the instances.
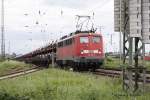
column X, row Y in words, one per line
column 116, row 73
column 20, row 73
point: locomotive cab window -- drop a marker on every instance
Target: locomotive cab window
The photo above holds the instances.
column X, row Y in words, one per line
column 84, row 40
column 96, row 39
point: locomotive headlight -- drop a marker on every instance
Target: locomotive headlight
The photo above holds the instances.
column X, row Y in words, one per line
column 82, row 52
column 99, row 52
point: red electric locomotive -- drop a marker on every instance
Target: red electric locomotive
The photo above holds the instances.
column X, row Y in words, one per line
column 81, row 51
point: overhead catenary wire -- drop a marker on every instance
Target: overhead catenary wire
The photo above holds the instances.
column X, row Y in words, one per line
column 99, row 6
column 62, row 12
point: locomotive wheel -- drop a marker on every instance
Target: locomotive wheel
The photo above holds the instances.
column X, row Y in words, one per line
column 75, row 67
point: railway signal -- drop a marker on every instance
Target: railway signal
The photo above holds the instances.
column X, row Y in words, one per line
column 132, row 19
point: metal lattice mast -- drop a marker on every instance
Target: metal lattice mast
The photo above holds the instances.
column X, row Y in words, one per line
column 2, row 31
column 132, row 19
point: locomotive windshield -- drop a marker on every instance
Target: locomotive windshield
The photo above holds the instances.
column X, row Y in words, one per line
column 96, row 39
column 84, row 40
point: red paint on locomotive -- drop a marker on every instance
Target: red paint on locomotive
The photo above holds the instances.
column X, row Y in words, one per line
column 81, row 50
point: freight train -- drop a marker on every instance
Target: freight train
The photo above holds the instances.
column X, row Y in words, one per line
column 80, row 50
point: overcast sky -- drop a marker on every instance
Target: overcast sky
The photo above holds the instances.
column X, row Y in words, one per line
column 27, row 29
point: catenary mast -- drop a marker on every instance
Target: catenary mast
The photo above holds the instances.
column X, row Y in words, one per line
column 2, row 31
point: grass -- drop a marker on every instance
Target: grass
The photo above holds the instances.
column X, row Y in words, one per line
column 55, row 84
column 147, row 63
column 7, row 67
column 111, row 62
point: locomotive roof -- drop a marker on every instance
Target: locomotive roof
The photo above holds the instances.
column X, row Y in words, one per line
column 78, row 34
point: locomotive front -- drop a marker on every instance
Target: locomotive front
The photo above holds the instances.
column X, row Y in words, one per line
column 81, row 51
column 89, row 51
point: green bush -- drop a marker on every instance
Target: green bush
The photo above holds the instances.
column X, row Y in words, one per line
column 7, row 96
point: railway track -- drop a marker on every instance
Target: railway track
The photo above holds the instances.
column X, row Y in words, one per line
column 108, row 72
column 20, row 73
column 116, row 73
